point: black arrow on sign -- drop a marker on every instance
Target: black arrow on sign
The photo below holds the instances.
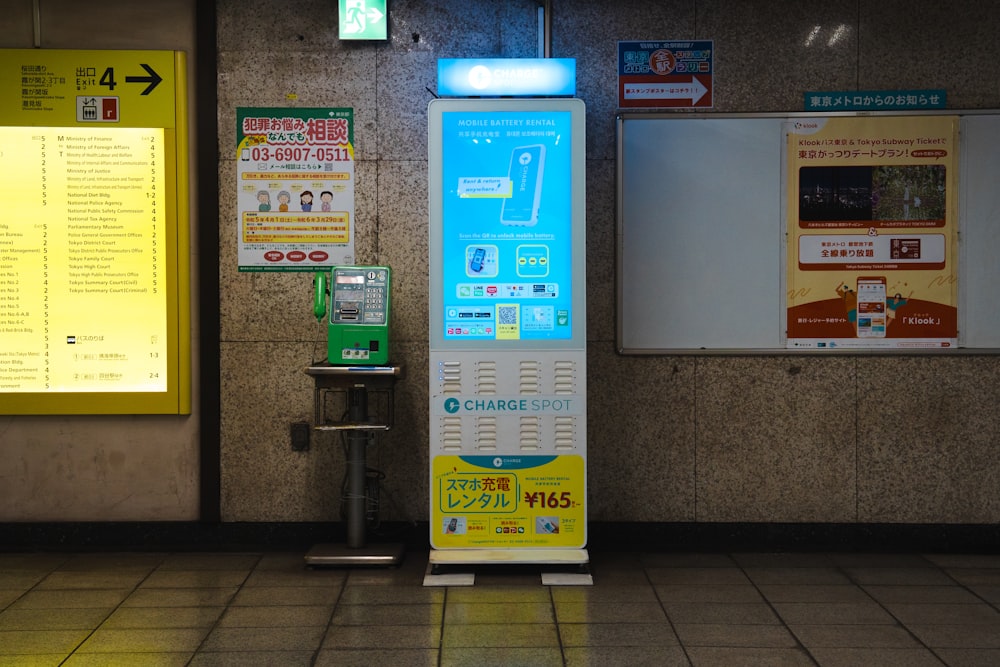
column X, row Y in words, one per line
column 153, row 79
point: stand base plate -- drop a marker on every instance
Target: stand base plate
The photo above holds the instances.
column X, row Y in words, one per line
column 341, row 554
column 441, row 560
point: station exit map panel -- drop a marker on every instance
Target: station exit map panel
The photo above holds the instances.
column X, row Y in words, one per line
column 94, row 294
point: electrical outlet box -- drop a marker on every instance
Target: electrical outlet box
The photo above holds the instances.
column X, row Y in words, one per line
column 300, row 436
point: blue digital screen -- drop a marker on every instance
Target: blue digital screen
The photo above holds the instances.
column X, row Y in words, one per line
column 507, row 225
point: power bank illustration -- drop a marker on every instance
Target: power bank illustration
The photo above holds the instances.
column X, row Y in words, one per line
column 526, row 169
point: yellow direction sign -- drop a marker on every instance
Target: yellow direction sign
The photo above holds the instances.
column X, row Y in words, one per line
column 49, row 87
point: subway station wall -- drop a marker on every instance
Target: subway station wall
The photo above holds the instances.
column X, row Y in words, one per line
column 745, row 438
column 692, row 438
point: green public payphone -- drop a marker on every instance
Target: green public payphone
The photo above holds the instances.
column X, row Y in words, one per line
column 358, row 325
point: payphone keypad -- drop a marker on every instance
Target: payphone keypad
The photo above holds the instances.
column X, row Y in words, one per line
column 375, row 297
column 375, row 300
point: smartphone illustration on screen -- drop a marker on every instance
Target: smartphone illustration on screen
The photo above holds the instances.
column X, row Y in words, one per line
column 871, row 307
column 527, row 165
column 478, row 256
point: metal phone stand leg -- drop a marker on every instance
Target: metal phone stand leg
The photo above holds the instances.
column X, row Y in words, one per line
column 356, row 551
column 357, row 449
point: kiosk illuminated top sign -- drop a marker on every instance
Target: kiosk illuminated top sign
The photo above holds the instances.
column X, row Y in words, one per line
column 507, row 225
column 487, row 77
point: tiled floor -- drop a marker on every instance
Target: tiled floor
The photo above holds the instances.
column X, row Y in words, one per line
column 643, row 609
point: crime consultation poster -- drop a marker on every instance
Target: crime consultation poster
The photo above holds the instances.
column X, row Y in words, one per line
column 295, row 188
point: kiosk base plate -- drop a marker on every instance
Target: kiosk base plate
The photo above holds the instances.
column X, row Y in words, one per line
column 341, row 554
column 441, row 560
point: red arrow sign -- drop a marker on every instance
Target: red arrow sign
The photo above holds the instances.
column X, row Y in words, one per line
column 666, row 91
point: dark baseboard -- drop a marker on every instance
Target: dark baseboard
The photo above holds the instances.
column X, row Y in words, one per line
column 798, row 537
column 602, row 536
column 189, row 536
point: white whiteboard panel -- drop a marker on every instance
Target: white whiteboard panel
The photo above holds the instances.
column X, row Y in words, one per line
column 979, row 232
column 700, row 234
column 701, row 228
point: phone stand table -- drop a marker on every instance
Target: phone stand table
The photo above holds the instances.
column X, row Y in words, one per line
column 358, row 383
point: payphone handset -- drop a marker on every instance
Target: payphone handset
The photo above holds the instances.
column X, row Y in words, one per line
column 358, row 322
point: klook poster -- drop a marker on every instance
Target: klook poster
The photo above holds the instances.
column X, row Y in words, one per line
column 872, row 232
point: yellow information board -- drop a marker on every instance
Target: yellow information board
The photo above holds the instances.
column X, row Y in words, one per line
column 508, row 501
column 94, row 291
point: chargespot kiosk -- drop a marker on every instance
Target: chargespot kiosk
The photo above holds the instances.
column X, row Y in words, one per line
column 508, row 420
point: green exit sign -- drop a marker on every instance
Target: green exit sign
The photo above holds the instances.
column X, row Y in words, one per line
column 363, row 19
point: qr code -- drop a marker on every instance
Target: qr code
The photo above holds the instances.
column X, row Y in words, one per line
column 507, row 315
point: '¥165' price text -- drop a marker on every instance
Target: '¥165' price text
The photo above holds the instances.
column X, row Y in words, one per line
column 550, row 500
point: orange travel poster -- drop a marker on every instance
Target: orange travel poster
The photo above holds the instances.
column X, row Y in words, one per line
column 872, row 232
